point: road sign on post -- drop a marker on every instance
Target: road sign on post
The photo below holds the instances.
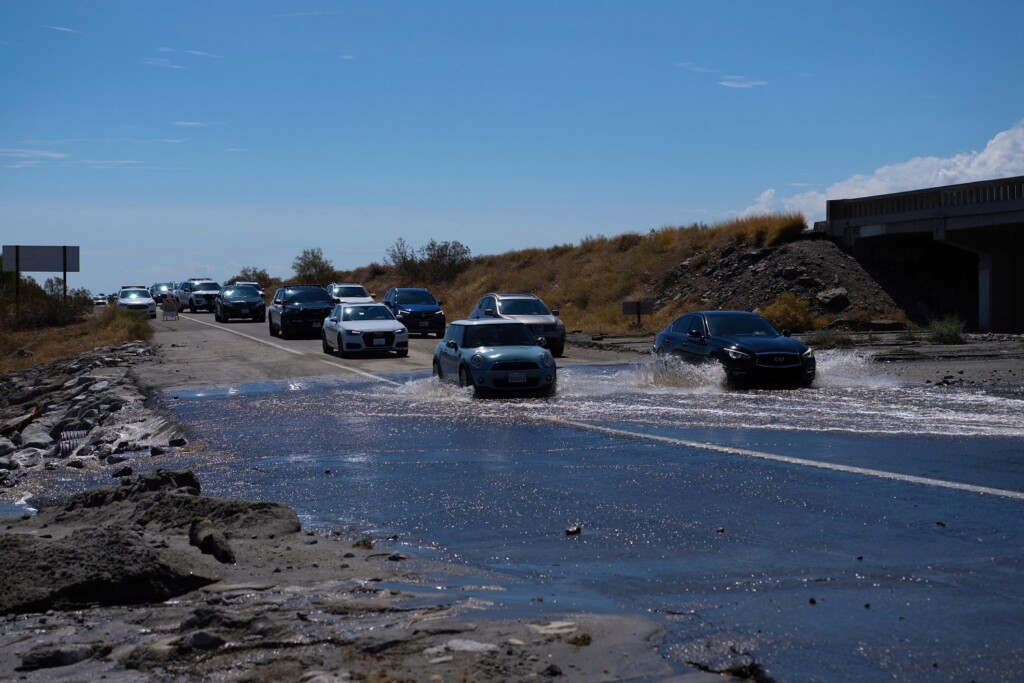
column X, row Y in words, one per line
column 30, row 259
column 645, row 306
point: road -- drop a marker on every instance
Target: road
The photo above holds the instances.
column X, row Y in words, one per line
column 866, row 529
column 198, row 351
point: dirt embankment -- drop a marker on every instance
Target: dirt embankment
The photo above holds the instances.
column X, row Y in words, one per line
column 834, row 283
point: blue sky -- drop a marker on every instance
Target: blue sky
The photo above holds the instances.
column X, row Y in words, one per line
column 171, row 139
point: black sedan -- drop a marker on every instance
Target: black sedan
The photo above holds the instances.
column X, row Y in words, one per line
column 240, row 301
column 749, row 348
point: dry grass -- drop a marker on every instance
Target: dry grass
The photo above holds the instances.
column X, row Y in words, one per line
column 108, row 327
column 588, row 282
column 789, row 312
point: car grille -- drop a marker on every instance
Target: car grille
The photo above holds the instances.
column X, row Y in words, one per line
column 505, row 384
column 778, row 360
column 416, row 315
column 540, row 329
column 509, row 366
column 369, row 337
column 138, row 307
column 307, row 315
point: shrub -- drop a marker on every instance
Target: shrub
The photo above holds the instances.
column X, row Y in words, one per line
column 789, row 312
column 829, row 339
column 948, row 329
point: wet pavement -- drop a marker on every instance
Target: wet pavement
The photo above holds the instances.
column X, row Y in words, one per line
column 864, row 529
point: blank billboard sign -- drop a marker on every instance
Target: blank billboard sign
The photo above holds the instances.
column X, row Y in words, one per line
column 30, row 259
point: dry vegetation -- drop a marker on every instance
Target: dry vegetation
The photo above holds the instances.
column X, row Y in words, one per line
column 108, row 327
column 588, row 282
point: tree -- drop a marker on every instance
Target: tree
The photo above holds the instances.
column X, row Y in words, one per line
column 311, row 266
column 253, row 274
column 435, row 262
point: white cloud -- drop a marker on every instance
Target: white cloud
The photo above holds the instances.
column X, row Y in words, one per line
column 1002, row 157
column 191, row 124
column 347, row 58
column 63, row 29
column 31, row 154
column 200, row 53
column 161, row 63
column 696, row 68
column 741, row 82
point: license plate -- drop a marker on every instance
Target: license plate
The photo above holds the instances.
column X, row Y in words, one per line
column 379, row 342
column 424, row 323
column 317, row 324
column 245, row 311
column 516, row 377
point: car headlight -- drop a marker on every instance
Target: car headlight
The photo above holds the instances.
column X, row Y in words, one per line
column 546, row 360
column 477, row 361
column 402, row 312
column 354, row 333
column 400, row 331
column 808, row 354
column 736, row 354
column 441, row 313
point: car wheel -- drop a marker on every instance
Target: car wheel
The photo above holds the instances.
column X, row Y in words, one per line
column 465, row 379
column 402, row 353
column 435, row 370
column 557, row 351
column 323, row 342
column 191, row 306
column 439, row 334
column 283, row 331
column 270, row 326
column 216, row 316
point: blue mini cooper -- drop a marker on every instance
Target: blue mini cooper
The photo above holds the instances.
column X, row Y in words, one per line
column 495, row 356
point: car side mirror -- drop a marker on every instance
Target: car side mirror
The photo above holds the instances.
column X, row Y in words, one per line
column 554, row 312
column 440, row 303
column 451, row 344
column 333, row 319
column 786, row 333
column 693, row 334
column 489, row 312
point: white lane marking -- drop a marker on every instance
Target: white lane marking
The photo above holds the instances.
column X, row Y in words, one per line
column 732, row 450
column 296, row 352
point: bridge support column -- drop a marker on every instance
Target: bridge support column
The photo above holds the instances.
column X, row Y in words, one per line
column 985, row 292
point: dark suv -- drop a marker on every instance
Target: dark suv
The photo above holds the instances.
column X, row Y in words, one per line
column 298, row 308
column 417, row 309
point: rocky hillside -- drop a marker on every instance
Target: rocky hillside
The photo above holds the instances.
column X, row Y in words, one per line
column 837, row 287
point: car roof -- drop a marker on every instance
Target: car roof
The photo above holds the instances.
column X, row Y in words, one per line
column 486, row 321
column 717, row 314
column 346, row 284
column 513, row 296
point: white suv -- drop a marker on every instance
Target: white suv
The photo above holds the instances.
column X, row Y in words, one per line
column 198, row 293
column 349, row 293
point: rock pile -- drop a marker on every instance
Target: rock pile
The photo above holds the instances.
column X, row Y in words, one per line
column 83, row 412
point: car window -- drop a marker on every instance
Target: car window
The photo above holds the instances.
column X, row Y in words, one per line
column 351, row 291
column 741, row 326
column 134, row 293
column 498, row 335
column 312, row 295
column 416, row 297
column 355, row 313
column 522, row 307
column 681, row 325
column 205, row 287
column 239, row 292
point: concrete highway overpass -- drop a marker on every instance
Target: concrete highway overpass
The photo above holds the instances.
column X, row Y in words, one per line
column 961, row 247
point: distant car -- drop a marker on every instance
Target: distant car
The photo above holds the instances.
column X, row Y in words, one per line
column 240, row 301
column 349, row 293
column 527, row 309
column 257, row 285
column 354, row 328
column 100, row 300
column 136, row 299
column 749, row 348
column 159, row 290
column 495, row 356
column 197, row 293
column 298, row 308
column 417, row 309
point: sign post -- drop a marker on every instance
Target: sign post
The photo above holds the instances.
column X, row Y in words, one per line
column 33, row 259
column 645, row 306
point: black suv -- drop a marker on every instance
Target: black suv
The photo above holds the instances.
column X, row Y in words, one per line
column 298, row 308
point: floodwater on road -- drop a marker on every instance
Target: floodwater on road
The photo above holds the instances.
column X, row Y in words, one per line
column 858, row 530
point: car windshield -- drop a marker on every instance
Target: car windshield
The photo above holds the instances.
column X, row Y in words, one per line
column 740, row 326
column 162, row 288
column 355, row 313
column 312, row 295
column 240, row 292
column 497, row 335
column 522, row 307
column 419, row 296
column 205, row 287
column 134, row 294
column 354, row 290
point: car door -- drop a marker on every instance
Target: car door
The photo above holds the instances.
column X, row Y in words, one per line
column 696, row 345
column 389, row 299
column 275, row 306
column 449, row 358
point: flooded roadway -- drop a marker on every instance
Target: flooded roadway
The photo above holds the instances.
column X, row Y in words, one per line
column 858, row 530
